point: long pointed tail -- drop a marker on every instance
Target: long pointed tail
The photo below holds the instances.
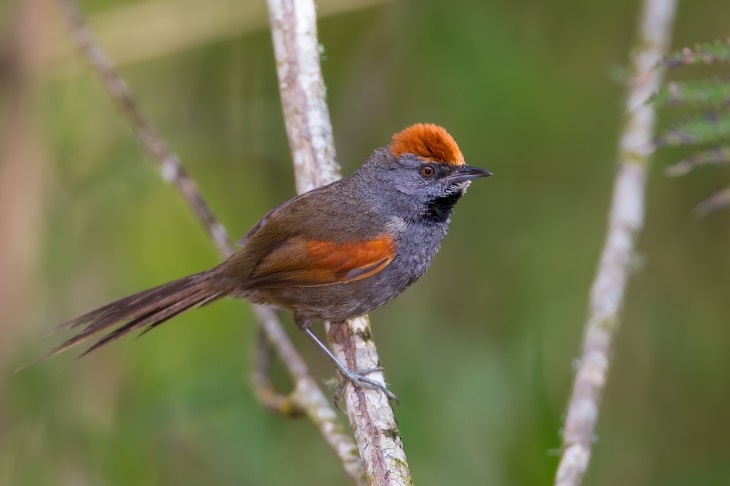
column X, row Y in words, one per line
column 146, row 310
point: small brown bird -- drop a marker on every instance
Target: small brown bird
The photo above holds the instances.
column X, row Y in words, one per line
column 333, row 253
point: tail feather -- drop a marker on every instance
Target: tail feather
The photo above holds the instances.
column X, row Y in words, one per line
column 151, row 321
column 146, row 310
column 136, row 303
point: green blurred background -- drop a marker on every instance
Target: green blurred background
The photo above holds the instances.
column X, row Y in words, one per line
column 479, row 351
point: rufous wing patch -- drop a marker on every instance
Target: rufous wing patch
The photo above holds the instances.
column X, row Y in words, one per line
column 429, row 142
column 307, row 263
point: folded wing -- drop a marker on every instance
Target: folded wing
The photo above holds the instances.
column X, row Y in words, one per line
column 312, row 263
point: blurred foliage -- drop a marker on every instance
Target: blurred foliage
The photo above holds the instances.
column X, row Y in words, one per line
column 710, row 129
column 479, row 351
column 704, row 53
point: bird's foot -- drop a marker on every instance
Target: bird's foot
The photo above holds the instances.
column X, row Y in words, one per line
column 359, row 379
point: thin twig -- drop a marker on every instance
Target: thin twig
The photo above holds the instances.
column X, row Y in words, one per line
column 307, row 394
column 296, row 48
column 155, row 145
column 285, row 405
column 625, row 223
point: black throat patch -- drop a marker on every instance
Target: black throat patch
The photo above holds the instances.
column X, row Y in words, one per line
column 439, row 209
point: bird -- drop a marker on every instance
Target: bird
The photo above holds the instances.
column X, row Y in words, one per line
column 330, row 254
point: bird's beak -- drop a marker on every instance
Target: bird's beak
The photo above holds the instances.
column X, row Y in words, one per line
column 467, row 173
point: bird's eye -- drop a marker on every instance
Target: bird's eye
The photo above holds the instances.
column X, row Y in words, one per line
column 427, row 171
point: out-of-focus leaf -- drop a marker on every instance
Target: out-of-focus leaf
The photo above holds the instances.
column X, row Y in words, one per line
column 706, row 53
column 709, row 128
column 718, row 155
column 703, row 93
column 717, row 201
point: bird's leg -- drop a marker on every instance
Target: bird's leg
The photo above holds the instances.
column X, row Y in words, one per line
column 356, row 377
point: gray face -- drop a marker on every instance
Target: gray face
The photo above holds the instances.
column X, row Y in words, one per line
column 421, row 190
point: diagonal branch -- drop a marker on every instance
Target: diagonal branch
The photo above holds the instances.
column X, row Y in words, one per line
column 156, row 146
column 626, row 220
column 296, row 49
column 306, row 396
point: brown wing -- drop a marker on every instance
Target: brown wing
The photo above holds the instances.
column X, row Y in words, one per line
column 270, row 215
column 308, row 263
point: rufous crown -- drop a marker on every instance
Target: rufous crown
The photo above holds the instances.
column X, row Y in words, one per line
column 429, row 142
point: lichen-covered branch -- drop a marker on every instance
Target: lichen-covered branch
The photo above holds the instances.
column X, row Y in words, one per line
column 371, row 415
column 308, row 126
column 626, row 220
column 296, row 48
column 307, row 396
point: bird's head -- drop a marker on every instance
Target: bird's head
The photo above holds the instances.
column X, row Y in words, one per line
column 427, row 165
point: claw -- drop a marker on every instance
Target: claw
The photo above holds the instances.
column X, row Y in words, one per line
column 359, row 379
